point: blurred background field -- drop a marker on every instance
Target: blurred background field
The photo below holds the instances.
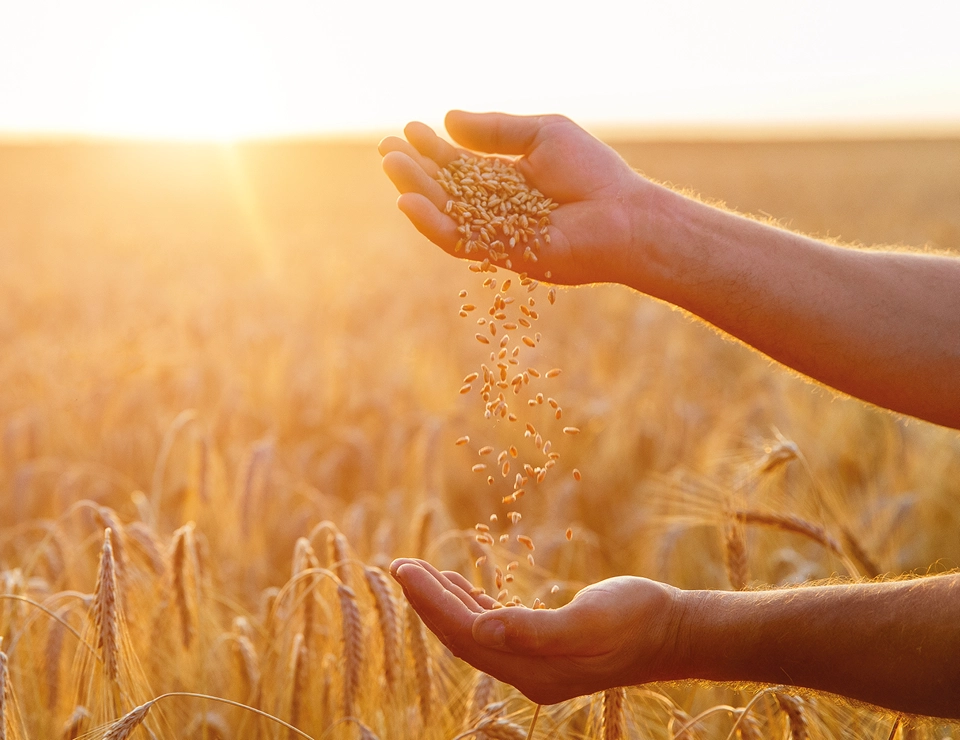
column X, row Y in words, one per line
column 253, row 339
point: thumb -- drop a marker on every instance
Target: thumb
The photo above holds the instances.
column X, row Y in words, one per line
column 534, row 631
column 495, row 133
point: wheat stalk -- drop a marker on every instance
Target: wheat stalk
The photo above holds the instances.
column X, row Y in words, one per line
column 298, row 673
column 3, row 695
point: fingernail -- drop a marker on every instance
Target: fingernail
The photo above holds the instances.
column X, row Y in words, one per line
column 490, row 633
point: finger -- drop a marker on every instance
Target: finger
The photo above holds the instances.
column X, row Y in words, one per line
column 396, row 144
column 436, row 226
column 429, row 144
column 440, row 609
column 540, row 632
column 409, row 177
column 484, row 600
column 456, row 588
column 498, row 133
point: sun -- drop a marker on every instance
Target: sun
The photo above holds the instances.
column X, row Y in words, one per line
column 184, row 73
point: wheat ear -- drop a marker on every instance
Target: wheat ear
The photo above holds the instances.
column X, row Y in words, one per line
column 792, row 706
column 124, row 727
column 749, row 727
column 341, row 558
column 613, row 724
column 482, row 694
column 106, row 609
column 182, row 542
column 76, row 724
column 352, row 630
column 421, row 662
column 304, row 558
column 735, row 556
column 386, row 605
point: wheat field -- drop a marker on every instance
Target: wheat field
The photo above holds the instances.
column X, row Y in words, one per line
column 229, row 397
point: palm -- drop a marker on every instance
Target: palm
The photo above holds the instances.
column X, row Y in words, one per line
column 588, row 179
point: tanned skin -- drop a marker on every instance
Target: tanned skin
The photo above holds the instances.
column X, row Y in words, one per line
column 882, row 326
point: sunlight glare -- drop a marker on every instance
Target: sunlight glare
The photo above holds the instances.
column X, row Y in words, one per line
column 175, row 73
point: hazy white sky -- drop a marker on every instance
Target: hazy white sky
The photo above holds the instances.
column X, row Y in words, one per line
column 206, row 68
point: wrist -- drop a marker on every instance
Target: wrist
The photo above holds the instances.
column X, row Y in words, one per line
column 653, row 261
column 713, row 635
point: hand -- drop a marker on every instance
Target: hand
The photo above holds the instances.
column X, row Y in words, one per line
column 590, row 232
column 618, row 632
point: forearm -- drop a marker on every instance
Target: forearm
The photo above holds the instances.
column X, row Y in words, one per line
column 894, row 644
column 881, row 326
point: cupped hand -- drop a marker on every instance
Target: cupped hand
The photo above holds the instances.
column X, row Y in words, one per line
column 618, row 632
column 596, row 221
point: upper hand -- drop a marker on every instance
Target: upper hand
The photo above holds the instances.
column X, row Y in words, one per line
column 617, row 632
column 596, row 189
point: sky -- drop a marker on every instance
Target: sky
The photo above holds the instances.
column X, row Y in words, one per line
column 208, row 69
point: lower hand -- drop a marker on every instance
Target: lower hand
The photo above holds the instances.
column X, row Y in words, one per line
column 621, row 631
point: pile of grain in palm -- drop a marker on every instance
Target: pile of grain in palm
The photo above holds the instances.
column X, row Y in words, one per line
column 499, row 215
